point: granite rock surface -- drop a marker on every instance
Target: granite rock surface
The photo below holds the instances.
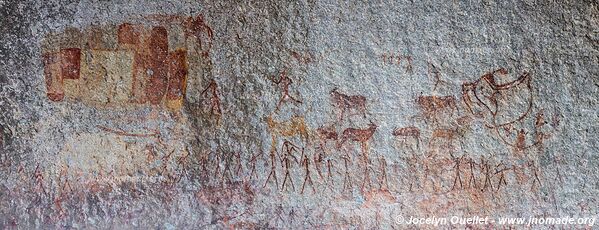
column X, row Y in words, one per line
column 296, row 114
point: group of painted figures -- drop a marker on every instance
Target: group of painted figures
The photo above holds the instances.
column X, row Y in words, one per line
column 503, row 107
column 159, row 75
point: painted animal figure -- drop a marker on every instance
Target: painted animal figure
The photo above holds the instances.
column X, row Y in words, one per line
column 406, row 132
column 410, row 131
column 326, row 133
column 431, row 106
column 361, row 136
column 446, row 136
column 444, row 133
column 346, row 103
column 294, row 127
column 357, row 135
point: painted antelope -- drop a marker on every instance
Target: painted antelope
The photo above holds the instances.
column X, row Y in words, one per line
column 446, row 136
column 431, row 106
column 444, row 133
column 361, row 136
column 345, row 103
column 294, row 127
column 357, row 135
column 407, row 132
column 325, row 134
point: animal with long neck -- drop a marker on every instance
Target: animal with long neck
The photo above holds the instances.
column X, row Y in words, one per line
column 361, row 136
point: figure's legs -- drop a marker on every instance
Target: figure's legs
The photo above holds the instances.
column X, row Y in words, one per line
column 288, row 175
column 273, row 174
column 366, row 162
column 293, row 99
column 280, row 103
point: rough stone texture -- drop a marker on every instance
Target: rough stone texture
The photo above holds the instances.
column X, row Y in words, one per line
column 302, row 114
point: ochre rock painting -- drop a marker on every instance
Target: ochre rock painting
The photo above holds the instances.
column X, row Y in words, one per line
column 304, row 115
column 493, row 98
column 148, row 64
column 125, row 65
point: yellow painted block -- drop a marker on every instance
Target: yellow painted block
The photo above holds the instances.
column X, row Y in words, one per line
column 174, row 104
column 106, row 77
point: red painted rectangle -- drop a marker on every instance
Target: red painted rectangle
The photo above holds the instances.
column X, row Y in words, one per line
column 53, row 75
column 70, row 63
column 127, row 34
column 177, row 75
column 158, row 65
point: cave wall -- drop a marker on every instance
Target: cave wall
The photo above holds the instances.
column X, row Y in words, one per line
column 299, row 114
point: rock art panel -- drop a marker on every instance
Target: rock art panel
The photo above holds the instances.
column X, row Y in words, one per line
column 307, row 115
column 126, row 65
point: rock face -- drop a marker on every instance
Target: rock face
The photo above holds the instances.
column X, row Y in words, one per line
column 308, row 114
